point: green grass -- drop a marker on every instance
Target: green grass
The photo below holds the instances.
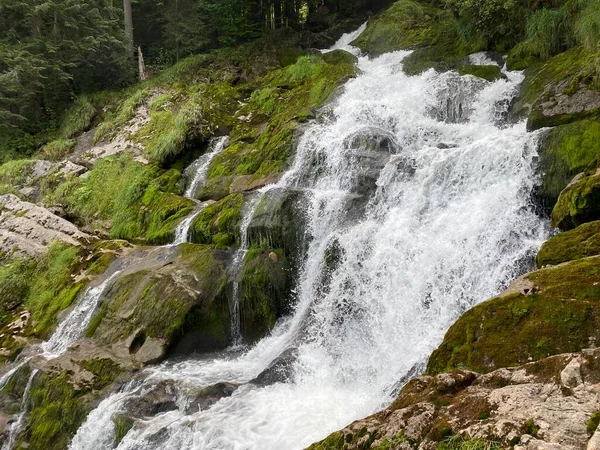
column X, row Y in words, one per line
column 15, row 172
column 460, row 442
column 57, row 149
column 77, row 118
column 139, row 201
column 123, row 113
column 587, row 27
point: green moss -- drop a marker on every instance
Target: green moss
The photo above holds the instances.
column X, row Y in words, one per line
column 164, row 308
column 579, row 243
column 130, row 196
column 52, row 289
column 578, row 204
column 565, row 73
column 264, row 289
column 334, row 441
column 123, row 424
column 218, row 224
column 564, row 152
column 592, row 423
column 531, row 428
column 56, row 414
column 105, row 371
column 489, row 73
column 262, row 135
column 561, row 314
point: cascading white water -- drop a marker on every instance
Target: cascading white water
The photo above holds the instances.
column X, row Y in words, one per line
column 15, row 427
column 343, row 43
column 237, row 267
column 199, row 168
column 75, row 324
column 428, row 217
column 199, row 171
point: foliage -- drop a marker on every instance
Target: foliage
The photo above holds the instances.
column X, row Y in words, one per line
column 587, row 27
column 139, row 201
column 57, row 149
column 52, row 50
column 460, row 442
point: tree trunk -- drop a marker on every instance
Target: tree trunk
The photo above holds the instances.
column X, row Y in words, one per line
column 129, row 27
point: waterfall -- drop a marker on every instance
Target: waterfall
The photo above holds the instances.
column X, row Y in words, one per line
column 415, row 216
column 16, row 426
column 199, row 168
column 199, row 171
column 237, row 267
column 75, row 324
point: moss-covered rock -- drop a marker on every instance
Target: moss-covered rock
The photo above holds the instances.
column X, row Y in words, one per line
column 578, row 203
column 579, row 243
column 280, row 222
column 264, row 127
column 126, row 200
column 265, row 292
column 179, row 300
column 561, row 90
column 565, row 151
column 557, row 311
column 218, row 224
column 489, row 73
column 431, row 31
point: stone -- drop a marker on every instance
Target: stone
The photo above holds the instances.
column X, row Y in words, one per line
column 29, row 229
column 523, row 404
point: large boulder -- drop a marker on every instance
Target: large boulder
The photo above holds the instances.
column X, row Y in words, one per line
column 578, row 203
column 571, row 245
column 565, row 151
column 560, row 90
column 550, row 404
column 543, row 313
column 29, row 229
column 175, row 301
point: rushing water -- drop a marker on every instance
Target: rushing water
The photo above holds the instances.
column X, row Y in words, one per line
column 74, row 325
column 15, row 427
column 424, row 195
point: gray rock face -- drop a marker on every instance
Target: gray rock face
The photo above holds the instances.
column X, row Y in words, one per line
column 29, row 229
column 541, row 405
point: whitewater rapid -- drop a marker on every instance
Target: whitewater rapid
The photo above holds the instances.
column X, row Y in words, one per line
column 428, row 215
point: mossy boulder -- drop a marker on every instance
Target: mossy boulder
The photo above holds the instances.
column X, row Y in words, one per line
column 262, row 136
column 429, row 30
column 280, row 222
column 554, row 310
column 578, row 203
column 125, row 199
column 177, row 303
column 561, row 90
column 489, row 73
column 265, row 292
column 565, row 151
column 218, row 224
column 575, row 244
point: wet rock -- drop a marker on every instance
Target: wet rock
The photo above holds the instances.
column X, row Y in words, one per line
column 279, row 371
column 173, row 301
column 160, row 399
column 527, row 407
column 578, row 203
column 205, row 398
column 29, row 229
column 265, row 292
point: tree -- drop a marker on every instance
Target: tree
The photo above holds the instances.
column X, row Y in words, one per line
column 129, row 27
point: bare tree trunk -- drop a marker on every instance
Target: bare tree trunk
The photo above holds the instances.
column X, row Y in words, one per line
column 141, row 65
column 129, row 27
